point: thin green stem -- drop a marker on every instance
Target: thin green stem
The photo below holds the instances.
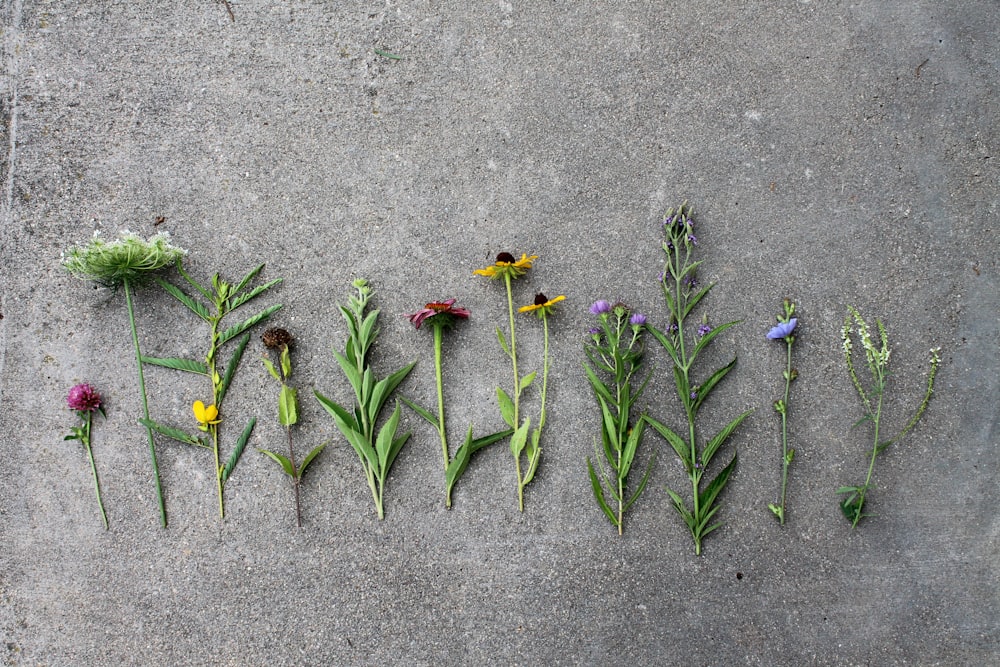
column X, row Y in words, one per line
column 871, row 464
column 784, row 434
column 545, row 369
column 517, row 384
column 218, row 469
column 145, row 403
column 440, row 391
column 93, row 467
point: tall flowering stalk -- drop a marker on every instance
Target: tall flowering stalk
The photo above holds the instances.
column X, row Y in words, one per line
column 376, row 448
column 222, row 299
column 280, row 341
column 441, row 316
column 615, row 351
column 783, row 331
column 877, row 359
column 84, row 400
column 508, row 269
column 682, row 294
column 125, row 262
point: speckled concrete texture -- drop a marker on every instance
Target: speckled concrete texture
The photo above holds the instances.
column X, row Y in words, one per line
column 836, row 153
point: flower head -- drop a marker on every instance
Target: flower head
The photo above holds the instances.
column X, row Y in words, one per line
column 205, row 415
column 704, row 329
column 600, row 307
column 439, row 313
column 507, row 265
column 782, row 329
column 83, row 398
column 637, row 319
column 124, row 259
column 542, row 306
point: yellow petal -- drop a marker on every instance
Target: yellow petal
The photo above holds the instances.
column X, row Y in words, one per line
column 199, row 411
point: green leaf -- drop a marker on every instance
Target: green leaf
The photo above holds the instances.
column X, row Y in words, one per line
column 714, row 379
column 527, row 380
column 189, row 365
column 707, row 338
column 595, row 484
column 599, row 387
column 353, row 374
column 336, row 411
column 487, row 440
column 383, row 442
column 426, row 414
column 286, row 362
column 237, row 329
column 234, row 361
column 309, row 458
column 238, row 301
column 243, row 283
column 271, row 369
column 707, row 497
column 241, row 444
column 283, row 461
column 713, row 445
column 367, row 332
column 665, row 342
column 642, row 484
column 682, row 510
column 383, row 388
column 631, row 446
column 458, row 464
column 196, row 307
column 506, row 407
column 693, row 301
column 503, row 341
column 174, row 433
column 534, row 452
column 520, row 438
column 678, row 444
column 364, row 449
column 288, row 408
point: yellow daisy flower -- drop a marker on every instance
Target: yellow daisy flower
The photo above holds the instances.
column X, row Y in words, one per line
column 542, row 306
column 506, row 264
column 205, row 415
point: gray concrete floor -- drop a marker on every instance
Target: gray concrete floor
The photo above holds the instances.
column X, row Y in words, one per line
column 835, row 152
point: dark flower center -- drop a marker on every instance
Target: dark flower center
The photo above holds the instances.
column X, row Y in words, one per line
column 274, row 338
column 540, row 299
column 506, row 258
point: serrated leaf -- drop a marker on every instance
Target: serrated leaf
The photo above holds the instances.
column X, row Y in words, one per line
column 713, row 445
column 196, row 307
column 506, row 407
column 241, row 444
column 189, row 365
column 283, row 461
column 309, row 458
column 173, row 433
column 237, row 329
column 234, row 361
column 288, row 407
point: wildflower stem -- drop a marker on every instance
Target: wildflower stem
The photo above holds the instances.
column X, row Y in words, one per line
column 784, row 434
column 545, row 369
column 875, row 448
column 93, row 467
column 440, row 391
column 295, row 478
column 517, row 385
column 145, row 403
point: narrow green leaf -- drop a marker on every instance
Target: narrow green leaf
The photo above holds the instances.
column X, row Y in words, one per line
column 693, row 301
column 599, row 387
column 336, row 411
column 243, row 283
column 719, row 438
column 352, row 374
column 283, row 461
column 271, row 369
column 527, row 380
column 384, row 388
column 678, row 444
column 286, row 362
column 707, row 497
column 235, row 303
column 534, row 452
column 503, row 341
column 487, row 440
column 241, row 444
column 189, row 365
column 237, row 329
column 642, row 484
column 595, row 484
column 707, row 338
column 506, row 407
column 173, row 433
column 234, row 361
column 631, row 446
column 682, row 510
column 196, row 307
column 458, row 464
column 288, row 407
column 714, row 379
column 309, row 458
column 664, row 340
column 367, row 332
column 426, row 414
column 848, row 489
column 383, row 442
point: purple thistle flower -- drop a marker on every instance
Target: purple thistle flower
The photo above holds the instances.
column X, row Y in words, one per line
column 704, row 329
column 594, row 331
column 600, row 307
column 83, row 398
column 782, row 329
column 637, row 319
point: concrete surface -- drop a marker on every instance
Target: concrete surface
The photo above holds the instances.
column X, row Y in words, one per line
column 835, row 152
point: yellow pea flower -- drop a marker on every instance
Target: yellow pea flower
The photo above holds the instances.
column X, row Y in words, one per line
column 205, row 415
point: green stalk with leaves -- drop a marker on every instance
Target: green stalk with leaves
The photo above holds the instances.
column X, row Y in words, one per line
column 222, row 300
column 783, row 331
column 126, row 262
column 615, row 350
column 878, row 365
column 680, row 289
column 288, row 412
column 376, row 448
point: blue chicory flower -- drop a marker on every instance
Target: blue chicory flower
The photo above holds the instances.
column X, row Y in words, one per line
column 782, row 329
